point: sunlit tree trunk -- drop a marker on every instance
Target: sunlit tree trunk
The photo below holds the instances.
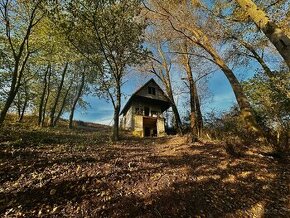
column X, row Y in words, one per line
column 279, row 39
column 166, row 80
column 25, row 103
column 200, row 39
column 192, row 94
column 245, row 108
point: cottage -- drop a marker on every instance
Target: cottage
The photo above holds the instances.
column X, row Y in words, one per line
column 143, row 113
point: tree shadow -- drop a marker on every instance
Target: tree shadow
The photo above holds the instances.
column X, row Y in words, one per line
column 152, row 178
column 219, row 186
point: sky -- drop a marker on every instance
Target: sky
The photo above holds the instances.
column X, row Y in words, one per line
column 101, row 111
column 221, row 95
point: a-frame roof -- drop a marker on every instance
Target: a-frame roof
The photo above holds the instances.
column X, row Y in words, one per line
column 161, row 99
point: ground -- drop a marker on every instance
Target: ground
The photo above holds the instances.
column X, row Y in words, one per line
column 59, row 172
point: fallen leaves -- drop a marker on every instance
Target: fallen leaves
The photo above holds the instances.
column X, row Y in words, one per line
column 63, row 173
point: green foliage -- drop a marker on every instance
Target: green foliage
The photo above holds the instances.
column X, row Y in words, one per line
column 270, row 100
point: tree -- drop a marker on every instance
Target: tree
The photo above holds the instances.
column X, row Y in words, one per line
column 79, row 92
column 160, row 64
column 56, row 100
column 271, row 106
column 196, row 121
column 180, row 17
column 275, row 34
column 19, row 20
column 113, row 43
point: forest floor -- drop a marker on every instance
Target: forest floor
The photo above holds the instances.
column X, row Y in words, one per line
column 60, row 172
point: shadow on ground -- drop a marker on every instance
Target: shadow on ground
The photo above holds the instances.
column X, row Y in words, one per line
column 163, row 177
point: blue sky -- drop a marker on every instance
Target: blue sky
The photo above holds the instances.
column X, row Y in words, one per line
column 222, row 96
column 101, row 111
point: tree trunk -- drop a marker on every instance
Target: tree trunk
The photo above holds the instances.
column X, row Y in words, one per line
column 46, row 98
column 117, row 106
column 42, row 98
column 279, row 39
column 53, row 109
column 77, row 97
column 7, row 105
column 245, row 108
column 200, row 39
column 18, row 104
column 15, row 83
column 62, row 105
column 20, row 60
column 23, row 109
column 199, row 119
column 177, row 117
column 192, row 94
column 166, row 80
column 178, row 123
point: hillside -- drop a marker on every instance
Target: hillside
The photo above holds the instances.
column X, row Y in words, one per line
column 60, row 172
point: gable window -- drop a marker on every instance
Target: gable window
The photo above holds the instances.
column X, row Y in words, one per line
column 151, row 90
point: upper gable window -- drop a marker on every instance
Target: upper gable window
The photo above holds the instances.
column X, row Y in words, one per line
column 151, row 90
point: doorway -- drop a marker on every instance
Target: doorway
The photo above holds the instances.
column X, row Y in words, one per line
column 150, row 126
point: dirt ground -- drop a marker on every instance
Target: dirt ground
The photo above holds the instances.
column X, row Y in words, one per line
column 80, row 173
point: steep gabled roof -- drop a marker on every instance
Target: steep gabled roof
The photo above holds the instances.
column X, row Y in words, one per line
column 136, row 95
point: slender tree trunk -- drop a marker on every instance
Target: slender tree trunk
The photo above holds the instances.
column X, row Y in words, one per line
column 23, row 109
column 18, row 104
column 77, row 97
column 46, row 98
column 53, row 109
column 42, row 98
column 177, row 118
column 116, row 113
column 166, row 79
column 62, row 105
column 199, row 119
column 193, row 115
column 279, row 39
